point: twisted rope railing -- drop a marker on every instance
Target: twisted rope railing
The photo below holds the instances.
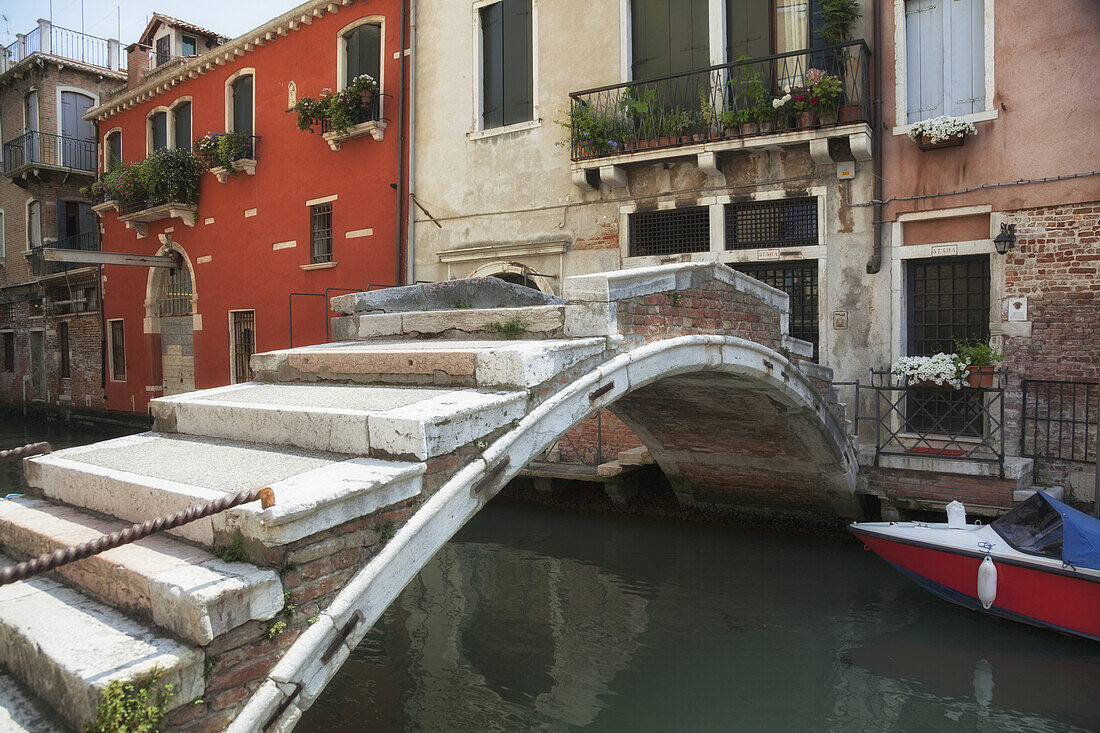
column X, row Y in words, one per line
column 31, row 449
column 64, row 556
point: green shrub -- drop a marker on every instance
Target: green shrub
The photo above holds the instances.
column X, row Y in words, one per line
column 132, row 708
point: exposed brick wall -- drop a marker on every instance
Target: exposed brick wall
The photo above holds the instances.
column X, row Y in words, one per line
column 593, row 442
column 940, row 488
column 606, row 237
column 1056, row 266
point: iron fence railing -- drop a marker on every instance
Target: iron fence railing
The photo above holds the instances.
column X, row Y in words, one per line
column 86, row 242
column 905, row 419
column 45, row 148
column 1058, row 420
column 366, row 112
column 828, row 86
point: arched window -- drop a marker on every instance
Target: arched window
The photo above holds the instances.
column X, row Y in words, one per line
column 360, row 54
column 112, row 149
column 175, row 292
column 181, row 123
column 240, row 96
column 158, row 131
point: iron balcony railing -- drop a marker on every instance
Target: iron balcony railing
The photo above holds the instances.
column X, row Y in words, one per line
column 1058, row 420
column 829, row 86
column 911, row 420
column 44, row 148
column 86, row 242
column 366, row 112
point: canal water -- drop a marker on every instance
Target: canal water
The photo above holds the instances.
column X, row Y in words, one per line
column 535, row 618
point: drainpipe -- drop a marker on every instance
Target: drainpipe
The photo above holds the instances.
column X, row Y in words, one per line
column 402, row 97
column 875, row 263
column 410, row 233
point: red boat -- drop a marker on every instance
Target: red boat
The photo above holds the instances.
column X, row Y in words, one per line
column 1039, row 564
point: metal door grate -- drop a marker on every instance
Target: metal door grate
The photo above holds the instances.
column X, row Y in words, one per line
column 175, row 296
column 799, row 281
column 780, row 223
column 670, row 232
column 244, row 344
column 320, row 233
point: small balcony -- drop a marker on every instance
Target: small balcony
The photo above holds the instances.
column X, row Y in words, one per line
column 63, row 43
column 137, row 214
column 802, row 98
column 38, row 151
column 41, row 267
column 365, row 121
column 243, row 151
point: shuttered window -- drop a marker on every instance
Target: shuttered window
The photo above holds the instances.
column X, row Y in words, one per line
column 669, row 36
column 181, row 121
column 748, row 29
column 945, row 57
column 242, row 104
column 114, row 150
column 158, row 128
column 506, row 71
column 363, row 51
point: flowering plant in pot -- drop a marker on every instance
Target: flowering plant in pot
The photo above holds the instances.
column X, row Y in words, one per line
column 979, row 358
column 826, row 88
column 938, row 370
column 220, row 150
column 941, row 132
column 337, row 110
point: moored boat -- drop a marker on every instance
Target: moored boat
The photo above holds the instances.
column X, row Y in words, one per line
column 1039, row 563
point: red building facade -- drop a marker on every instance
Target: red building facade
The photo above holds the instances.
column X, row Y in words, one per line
column 303, row 216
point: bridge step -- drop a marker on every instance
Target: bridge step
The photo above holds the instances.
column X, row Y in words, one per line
column 140, row 477
column 387, row 422
column 530, row 322
column 21, row 712
column 177, row 586
column 485, row 364
column 66, row 648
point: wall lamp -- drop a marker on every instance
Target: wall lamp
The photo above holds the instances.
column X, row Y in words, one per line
column 1006, row 240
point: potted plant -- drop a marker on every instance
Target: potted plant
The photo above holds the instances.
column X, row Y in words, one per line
column 839, row 19
column 941, row 132
column 825, row 89
column 337, row 110
column 641, row 111
column 979, row 358
column 220, row 150
column 783, row 108
column 938, row 370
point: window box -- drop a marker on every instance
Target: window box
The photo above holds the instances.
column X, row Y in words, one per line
column 925, row 143
column 244, row 165
column 374, row 128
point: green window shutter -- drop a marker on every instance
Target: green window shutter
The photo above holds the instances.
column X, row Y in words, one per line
column 669, row 36
column 518, row 82
column 364, row 51
column 748, row 29
column 492, row 69
column 182, row 114
column 160, row 130
column 242, row 104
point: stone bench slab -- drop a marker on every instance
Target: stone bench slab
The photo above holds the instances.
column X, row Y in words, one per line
column 178, row 586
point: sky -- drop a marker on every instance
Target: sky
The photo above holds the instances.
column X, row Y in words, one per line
column 103, row 18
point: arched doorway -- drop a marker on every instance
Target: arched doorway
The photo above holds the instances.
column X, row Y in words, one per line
column 170, row 311
column 517, row 273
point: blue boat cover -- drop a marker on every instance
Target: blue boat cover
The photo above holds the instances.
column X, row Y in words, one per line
column 1080, row 535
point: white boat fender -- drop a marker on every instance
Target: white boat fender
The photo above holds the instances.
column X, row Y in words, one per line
column 987, row 582
column 956, row 515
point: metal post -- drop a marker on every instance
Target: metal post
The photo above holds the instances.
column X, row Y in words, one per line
column 1096, row 478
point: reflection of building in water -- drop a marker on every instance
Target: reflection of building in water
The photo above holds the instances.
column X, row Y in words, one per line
column 504, row 639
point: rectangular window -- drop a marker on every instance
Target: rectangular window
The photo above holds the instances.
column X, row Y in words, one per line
column 164, row 50
column 669, row 232
column 944, row 58
column 63, row 342
column 114, row 150
column 506, row 63
column 189, row 45
column 363, row 54
column 799, row 281
column 9, row 351
column 242, row 332
column 181, row 118
column 118, row 351
column 779, row 223
column 7, row 312
column 3, row 237
column 320, row 233
column 242, row 104
column 34, row 224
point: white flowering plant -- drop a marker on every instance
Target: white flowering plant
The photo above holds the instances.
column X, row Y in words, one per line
column 945, row 370
column 943, row 128
column 336, row 109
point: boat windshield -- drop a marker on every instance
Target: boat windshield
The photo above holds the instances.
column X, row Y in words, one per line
column 1033, row 527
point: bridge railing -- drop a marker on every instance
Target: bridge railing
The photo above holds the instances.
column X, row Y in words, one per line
column 929, row 421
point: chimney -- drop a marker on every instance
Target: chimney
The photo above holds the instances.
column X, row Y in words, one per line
column 137, row 63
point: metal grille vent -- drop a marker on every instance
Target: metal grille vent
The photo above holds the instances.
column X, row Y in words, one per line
column 948, row 302
column 780, row 223
column 670, row 232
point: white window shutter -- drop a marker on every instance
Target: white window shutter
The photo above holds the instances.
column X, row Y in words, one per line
column 924, row 57
column 965, row 73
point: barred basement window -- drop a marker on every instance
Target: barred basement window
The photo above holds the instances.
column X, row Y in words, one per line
column 118, row 351
column 320, row 233
column 175, row 296
column 63, row 339
column 799, row 281
column 779, row 223
column 670, row 232
column 7, row 312
column 9, row 351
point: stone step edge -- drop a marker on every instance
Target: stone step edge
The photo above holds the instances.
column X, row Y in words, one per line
column 180, row 588
column 22, row 712
column 67, row 648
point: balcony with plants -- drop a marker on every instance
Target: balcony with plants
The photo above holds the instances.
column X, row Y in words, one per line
column 37, row 151
column 164, row 185
column 340, row 116
column 228, row 154
column 806, row 97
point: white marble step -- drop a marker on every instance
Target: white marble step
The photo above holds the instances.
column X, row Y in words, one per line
column 412, row 423
column 22, row 712
column 66, row 648
column 485, row 364
column 144, row 476
column 178, row 586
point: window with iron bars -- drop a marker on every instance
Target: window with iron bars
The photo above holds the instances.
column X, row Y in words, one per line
column 670, row 232
column 175, row 296
column 799, row 281
column 779, row 223
column 118, row 351
column 243, row 332
column 7, row 312
column 63, row 342
column 320, row 233
column 9, row 351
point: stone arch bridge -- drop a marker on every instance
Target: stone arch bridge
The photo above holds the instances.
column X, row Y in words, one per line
column 379, row 448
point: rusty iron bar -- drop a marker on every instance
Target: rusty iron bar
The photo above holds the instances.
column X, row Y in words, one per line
column 64, row 556
column 31, row 449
